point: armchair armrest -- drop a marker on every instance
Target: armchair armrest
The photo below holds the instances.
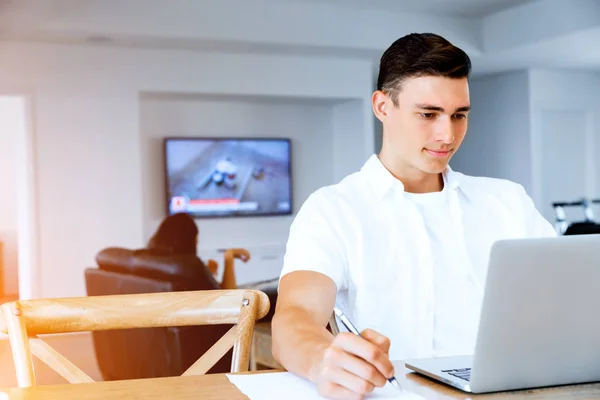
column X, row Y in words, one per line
column 228, row 281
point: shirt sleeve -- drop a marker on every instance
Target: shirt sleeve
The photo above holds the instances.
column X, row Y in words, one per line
column 315, row 242
column 537, row 225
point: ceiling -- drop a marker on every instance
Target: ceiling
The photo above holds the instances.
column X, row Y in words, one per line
column 465, row 8
column 523, row 33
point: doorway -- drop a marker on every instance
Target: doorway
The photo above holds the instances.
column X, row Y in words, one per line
column 18, row 210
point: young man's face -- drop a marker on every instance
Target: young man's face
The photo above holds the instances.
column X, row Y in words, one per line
column 429, row 124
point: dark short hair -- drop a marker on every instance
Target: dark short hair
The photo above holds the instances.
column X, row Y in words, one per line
column 420, row 54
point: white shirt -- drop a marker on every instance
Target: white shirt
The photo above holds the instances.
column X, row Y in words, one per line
column 382, row 248
column 455, row 292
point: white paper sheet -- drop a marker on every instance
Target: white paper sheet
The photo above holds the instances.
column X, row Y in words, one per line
column 285, row 385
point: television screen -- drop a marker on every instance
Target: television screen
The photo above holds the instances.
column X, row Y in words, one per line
column 226, row 177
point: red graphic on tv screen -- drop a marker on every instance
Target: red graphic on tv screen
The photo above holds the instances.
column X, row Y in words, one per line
column 178, row 204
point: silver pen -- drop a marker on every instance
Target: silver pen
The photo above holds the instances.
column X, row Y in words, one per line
column 353, row 329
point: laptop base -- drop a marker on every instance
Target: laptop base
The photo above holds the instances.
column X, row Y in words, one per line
column 449, row 370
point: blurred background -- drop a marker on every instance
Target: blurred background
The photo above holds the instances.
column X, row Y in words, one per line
column 89, row 89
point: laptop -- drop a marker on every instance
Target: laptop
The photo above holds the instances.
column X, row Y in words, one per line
column 540, row 319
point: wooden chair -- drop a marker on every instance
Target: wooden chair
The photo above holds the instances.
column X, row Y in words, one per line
column 24, row 320
column 333, row 326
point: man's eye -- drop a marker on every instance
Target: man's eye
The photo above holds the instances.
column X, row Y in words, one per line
column 427, row 115
column 460, row 116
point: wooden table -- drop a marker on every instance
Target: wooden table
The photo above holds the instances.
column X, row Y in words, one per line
column 217, row 386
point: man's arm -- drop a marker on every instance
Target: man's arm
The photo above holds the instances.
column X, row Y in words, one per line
column 308, row 297
column 537, row 225
column 346, row 366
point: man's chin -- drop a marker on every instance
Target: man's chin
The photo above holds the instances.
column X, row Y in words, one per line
column 434, row 167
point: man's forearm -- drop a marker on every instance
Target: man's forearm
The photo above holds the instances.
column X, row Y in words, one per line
column 299, row 342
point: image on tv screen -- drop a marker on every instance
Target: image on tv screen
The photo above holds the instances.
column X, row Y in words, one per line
column 228, row 177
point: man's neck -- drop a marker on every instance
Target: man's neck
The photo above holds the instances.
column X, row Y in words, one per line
column 413, row 180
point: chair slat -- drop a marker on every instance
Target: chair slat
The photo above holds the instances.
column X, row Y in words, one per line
column 83, row 314
column 57, row 361
column 214, row 354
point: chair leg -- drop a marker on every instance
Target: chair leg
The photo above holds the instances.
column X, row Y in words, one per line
column 19, row 343
column 253, row 366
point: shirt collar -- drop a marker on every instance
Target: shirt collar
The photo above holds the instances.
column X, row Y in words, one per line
column 382, row 181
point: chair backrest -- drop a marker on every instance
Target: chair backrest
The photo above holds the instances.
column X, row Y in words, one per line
column 24, row 320
column 150, row 352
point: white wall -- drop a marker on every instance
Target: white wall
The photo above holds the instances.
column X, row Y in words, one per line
column 538, row 128
column 90, row 187
column 307, row 123
column 498, row 139
column 11, row 123
column 565, row 125
column 350, row 119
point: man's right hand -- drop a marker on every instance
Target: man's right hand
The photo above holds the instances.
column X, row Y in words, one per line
column 346, row 366
column 353, row 366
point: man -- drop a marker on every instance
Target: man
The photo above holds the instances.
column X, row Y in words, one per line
column 402, row 245
column 225, row 173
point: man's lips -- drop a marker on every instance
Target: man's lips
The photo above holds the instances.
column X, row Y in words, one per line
column 438, row 153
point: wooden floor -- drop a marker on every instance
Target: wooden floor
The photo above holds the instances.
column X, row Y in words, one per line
column 76, row 347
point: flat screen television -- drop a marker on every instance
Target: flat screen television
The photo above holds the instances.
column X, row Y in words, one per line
column 228, row 177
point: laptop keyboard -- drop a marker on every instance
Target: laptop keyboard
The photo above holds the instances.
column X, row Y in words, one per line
column 462, row 373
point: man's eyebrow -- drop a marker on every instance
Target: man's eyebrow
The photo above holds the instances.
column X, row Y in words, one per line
column 440, row 109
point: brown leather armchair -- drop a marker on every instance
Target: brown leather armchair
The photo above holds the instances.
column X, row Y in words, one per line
column 151, row 352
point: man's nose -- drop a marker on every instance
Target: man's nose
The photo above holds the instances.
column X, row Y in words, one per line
column 444, row 131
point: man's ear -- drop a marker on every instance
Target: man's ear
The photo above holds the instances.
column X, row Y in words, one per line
column 380, row 103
